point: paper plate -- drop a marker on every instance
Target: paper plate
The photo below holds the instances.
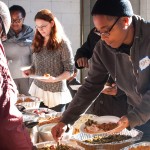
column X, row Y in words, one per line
column 25, row 68
column 38, row 77
column 75, row 87
column 100, row 120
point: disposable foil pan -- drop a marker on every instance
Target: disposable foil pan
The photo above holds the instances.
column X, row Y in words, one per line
column 136, row 145
column 134, row 133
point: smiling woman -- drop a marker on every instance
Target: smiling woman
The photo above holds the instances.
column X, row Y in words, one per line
column 17, row 47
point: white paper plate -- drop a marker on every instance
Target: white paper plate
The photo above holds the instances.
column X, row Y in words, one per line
column 75, row 87
column 45, row 132
column 38, row 77
column 100, row 120
column 25, row 68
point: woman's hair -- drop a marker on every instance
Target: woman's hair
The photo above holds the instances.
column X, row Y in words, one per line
column 56, row 37
column 18, row 8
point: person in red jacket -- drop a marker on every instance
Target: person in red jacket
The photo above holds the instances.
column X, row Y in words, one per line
column 13, row 135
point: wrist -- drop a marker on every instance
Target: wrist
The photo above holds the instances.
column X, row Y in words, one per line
column 62, row 124
column 55, row 79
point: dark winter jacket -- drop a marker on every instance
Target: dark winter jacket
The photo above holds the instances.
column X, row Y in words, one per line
column 104, row 104
column 132, row 73
column 86, row 50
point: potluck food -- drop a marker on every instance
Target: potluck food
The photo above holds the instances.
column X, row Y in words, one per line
column 58, row 147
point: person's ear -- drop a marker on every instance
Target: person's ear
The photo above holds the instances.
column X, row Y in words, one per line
column 125, row 22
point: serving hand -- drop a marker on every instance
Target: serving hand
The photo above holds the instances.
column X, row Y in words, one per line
column 58, row 130
column 83, row 62
column 110, row 89
column 122, row 124
column 27, row 72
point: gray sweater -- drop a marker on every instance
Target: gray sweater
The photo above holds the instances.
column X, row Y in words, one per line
column 17, row 49
column 53, row 62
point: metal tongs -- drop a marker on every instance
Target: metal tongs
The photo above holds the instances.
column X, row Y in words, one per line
column 58, row 144
column 30, row 124
column 20, row 108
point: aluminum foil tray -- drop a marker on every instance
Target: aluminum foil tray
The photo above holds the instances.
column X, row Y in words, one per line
column 134, row 133
column 68, row 142
column 24, row 101
column 136, row 145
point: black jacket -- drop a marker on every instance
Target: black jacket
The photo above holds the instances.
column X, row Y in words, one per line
column 105, row 104
column 131, row 71
column 86, row 50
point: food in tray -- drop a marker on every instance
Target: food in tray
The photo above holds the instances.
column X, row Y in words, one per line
column 39, row 111
column 43, row 121
column 140, row 148
column 28, row 100
column 58, row 147
column 20, row 100
column 92, row 126
column 107, row 139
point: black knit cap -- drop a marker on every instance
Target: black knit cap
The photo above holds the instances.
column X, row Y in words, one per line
column 120, row 8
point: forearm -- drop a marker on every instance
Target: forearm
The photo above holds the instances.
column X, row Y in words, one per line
column 64, row 76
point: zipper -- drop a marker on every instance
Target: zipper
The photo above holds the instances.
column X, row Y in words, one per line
column 134, row 75
column 136, row 89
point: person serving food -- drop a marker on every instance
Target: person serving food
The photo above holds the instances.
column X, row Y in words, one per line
column 123, row 51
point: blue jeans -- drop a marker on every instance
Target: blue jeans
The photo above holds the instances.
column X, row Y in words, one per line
column 145, row 128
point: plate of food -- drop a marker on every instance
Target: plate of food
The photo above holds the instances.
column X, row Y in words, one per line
column 100, row 125
column 45, row 76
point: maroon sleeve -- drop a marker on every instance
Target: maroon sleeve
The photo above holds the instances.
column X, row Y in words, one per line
column 8, row 91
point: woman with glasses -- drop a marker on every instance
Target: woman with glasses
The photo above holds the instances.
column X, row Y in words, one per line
column 17, row 47
column 13, row 135
column 52, row 55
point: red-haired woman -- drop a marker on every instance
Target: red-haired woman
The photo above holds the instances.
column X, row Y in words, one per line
column 52, row 54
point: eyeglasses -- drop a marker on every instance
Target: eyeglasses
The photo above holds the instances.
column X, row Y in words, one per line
column 107, row 33
column 42, row 26
column 17, row 20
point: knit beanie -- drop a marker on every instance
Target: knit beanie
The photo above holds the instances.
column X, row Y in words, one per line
column 120, row 8
column 5, row 16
